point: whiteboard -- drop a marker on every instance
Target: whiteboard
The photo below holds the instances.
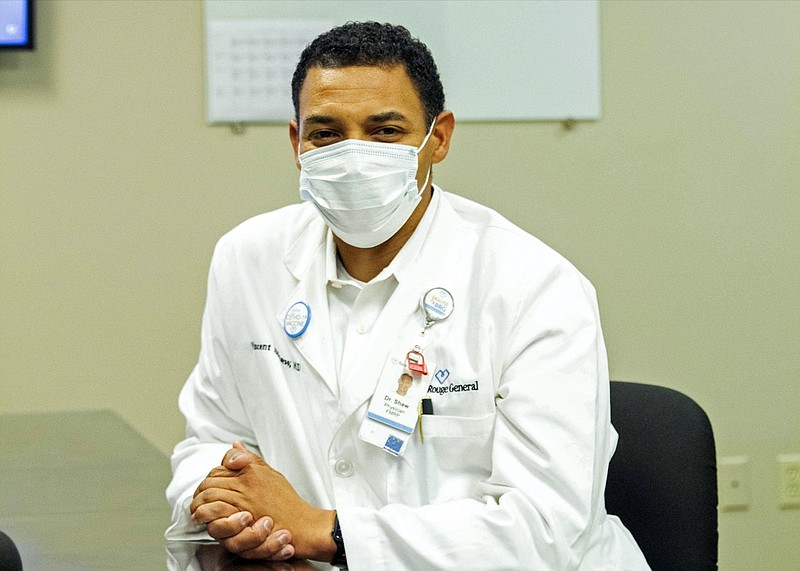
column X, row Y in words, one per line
column 498, row 60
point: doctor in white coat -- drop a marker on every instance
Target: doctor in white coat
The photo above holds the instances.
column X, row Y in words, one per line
column 494, row 456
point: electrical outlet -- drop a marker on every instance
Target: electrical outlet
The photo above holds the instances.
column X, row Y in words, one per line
column 789, row 481
column 733, row 473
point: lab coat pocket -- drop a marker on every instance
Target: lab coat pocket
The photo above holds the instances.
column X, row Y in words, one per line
column 452, row 455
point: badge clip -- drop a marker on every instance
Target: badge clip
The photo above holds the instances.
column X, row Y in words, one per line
column 416, row 362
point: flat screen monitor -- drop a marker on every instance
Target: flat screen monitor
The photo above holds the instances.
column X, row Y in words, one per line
column 16, row 24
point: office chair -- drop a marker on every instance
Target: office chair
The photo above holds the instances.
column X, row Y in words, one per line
column 662, row 480
column 9, row 556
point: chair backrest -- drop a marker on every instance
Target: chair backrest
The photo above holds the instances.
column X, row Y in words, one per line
column 662, row 480
column 9, row 556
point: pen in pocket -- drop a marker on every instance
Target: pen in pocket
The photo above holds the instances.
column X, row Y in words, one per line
column 425, row 408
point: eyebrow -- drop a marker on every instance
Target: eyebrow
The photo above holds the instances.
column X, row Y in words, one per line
column 320, row 119
column 387, row 116
column 376, row 118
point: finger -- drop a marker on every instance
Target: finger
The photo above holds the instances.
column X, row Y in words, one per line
column 218, row 472
column 213, row 510
column 248, row 538
column 265, row 551
column 212, row 495
column 276, row 547
column 221, row 472
column 202, row 486
column 238, row 457
column 225, row 528
column 218, row 483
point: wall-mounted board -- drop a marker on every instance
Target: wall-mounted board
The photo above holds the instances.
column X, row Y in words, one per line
column 499, row 60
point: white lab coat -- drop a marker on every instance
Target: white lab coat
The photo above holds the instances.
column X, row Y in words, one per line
column 512, row 470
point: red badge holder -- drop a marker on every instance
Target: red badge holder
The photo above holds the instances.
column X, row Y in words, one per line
column 416, row 362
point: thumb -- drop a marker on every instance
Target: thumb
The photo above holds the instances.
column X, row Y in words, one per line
column 238, row 457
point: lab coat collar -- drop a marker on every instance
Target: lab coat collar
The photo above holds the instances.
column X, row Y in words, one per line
column 305, row 244
column 404, row 262
column 305, row 260
column 399, row 266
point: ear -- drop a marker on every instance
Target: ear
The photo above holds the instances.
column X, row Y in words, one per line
column 294, row 137
column 442, row 133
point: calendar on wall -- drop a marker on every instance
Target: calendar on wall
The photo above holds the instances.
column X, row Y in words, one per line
column 250, row 64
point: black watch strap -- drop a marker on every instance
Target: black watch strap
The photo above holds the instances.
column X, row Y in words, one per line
column 340, row 559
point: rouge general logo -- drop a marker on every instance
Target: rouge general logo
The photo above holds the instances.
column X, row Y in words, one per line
column 443, row 375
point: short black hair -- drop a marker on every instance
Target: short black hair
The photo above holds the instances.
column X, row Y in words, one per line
column 373, row 44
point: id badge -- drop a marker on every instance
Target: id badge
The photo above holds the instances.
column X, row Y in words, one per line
column 394, row 409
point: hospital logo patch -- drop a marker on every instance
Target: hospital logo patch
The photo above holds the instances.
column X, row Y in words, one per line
column 441, row 376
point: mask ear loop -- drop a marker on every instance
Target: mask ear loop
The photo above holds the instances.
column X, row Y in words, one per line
column 430, row 168
column 428, row 136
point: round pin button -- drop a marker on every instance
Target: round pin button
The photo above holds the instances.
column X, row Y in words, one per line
column 297, row 319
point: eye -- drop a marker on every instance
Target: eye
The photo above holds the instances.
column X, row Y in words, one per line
column 387, row 133
column 323, row 137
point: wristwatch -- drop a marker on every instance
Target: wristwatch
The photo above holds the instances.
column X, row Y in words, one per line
column 340, row 559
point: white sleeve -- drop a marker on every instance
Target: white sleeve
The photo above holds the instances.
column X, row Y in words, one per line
column 542, row 507
column 211, row 405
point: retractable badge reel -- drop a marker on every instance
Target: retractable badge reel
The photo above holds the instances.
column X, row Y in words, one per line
column 438, row 305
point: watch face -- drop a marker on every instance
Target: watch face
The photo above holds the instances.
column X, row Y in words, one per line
column 337, row 533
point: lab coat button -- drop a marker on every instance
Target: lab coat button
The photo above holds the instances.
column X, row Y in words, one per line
column 362, row 328
column 343, row 468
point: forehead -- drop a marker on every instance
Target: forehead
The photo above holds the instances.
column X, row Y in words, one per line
column 359, row 91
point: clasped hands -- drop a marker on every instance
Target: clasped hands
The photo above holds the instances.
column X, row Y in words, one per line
column 254, row 512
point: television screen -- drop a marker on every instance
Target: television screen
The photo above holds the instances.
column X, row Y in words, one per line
column 16, row 24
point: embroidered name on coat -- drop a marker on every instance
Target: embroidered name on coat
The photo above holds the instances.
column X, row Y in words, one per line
column 294, row 365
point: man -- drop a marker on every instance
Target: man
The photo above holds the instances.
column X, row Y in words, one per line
column 310, row 315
